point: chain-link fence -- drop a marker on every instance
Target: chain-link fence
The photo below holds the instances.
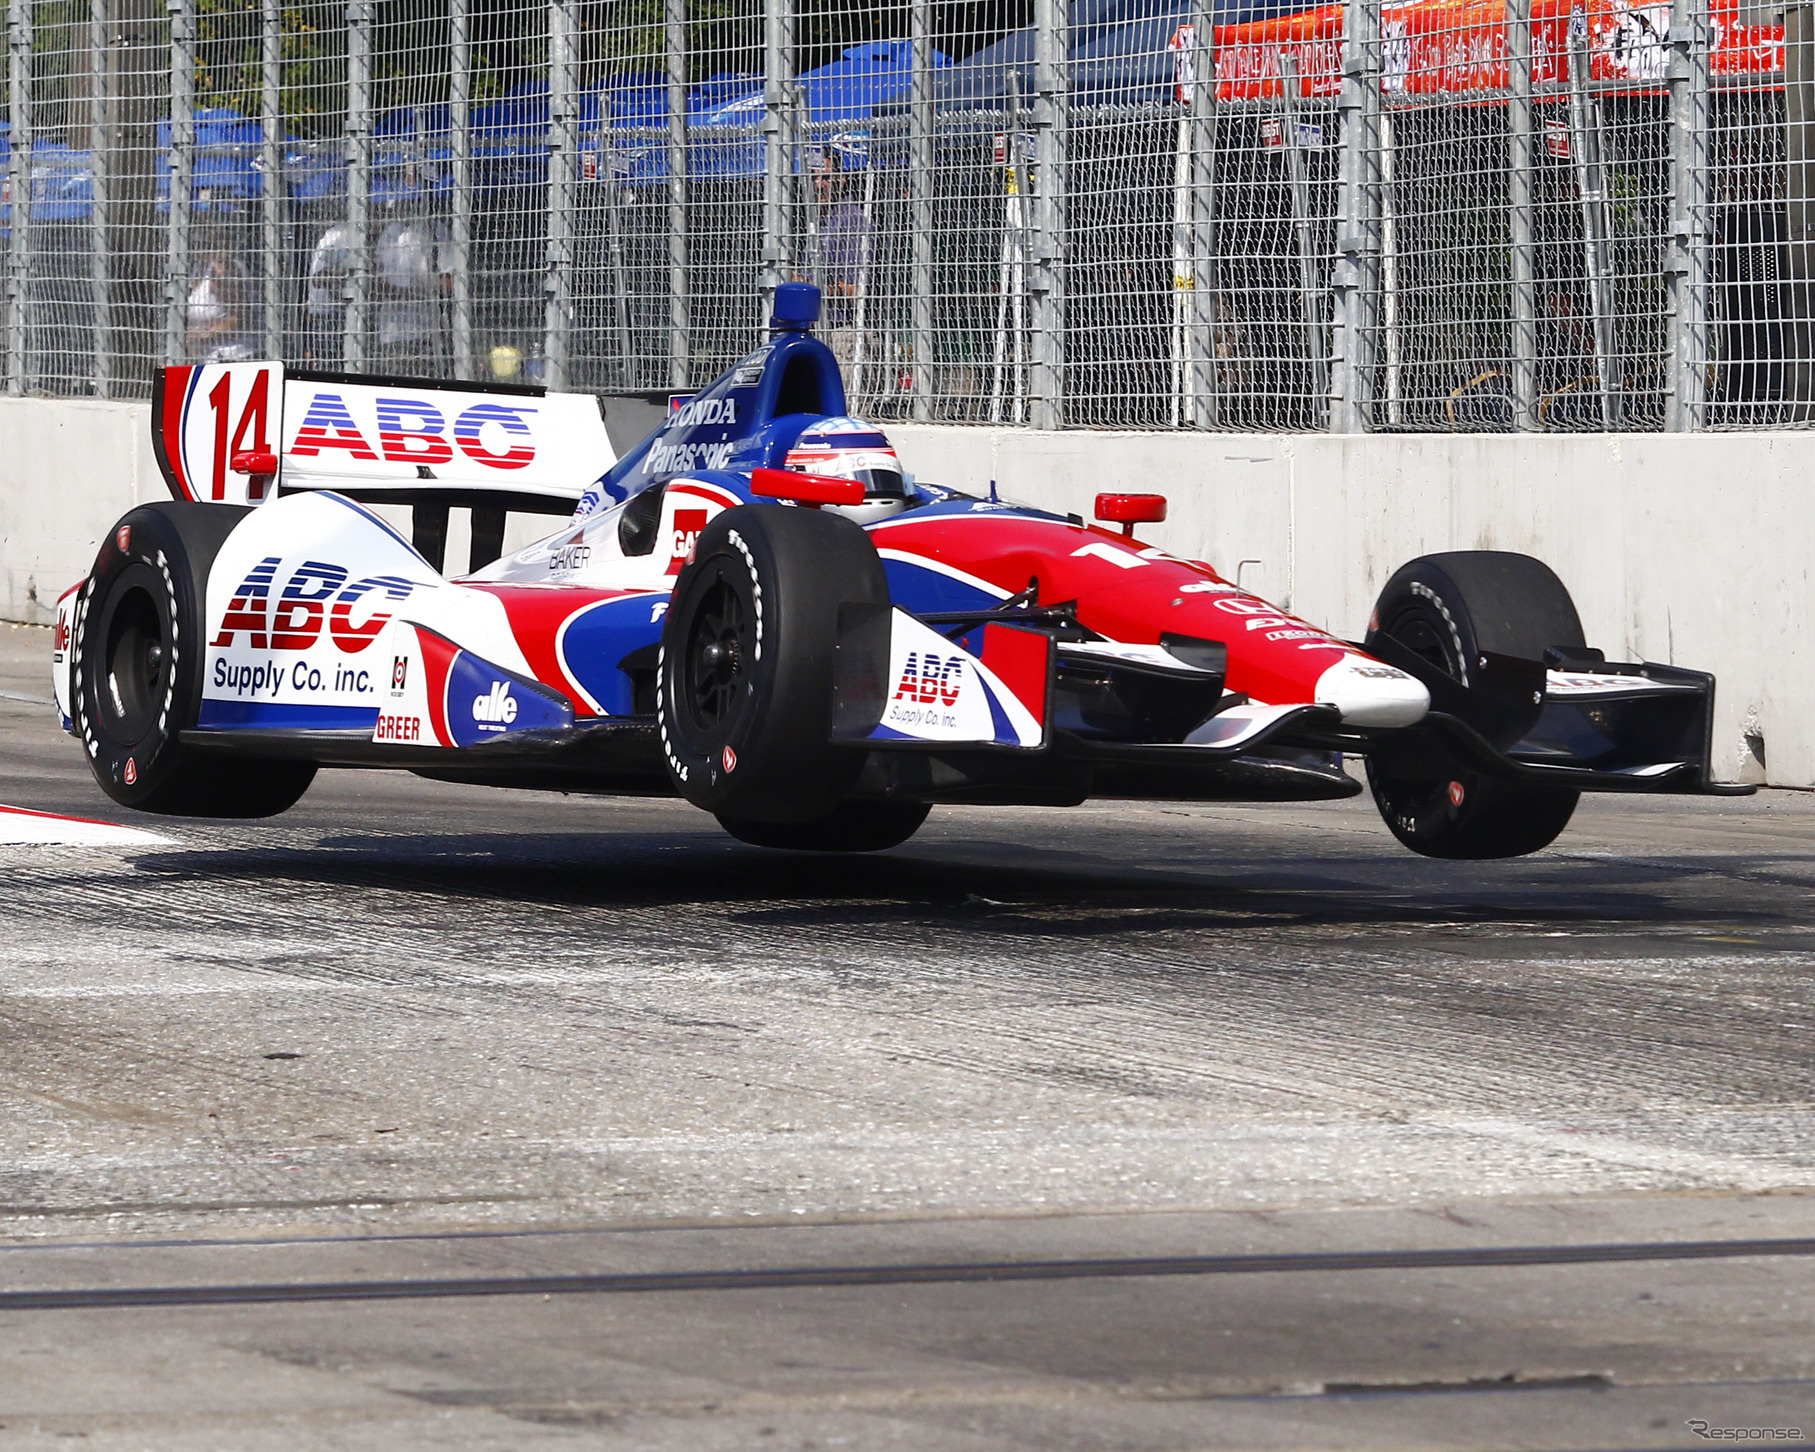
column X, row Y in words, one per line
column 1435, row 215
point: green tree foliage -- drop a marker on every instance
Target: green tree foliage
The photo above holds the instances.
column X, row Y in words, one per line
column 410, row 47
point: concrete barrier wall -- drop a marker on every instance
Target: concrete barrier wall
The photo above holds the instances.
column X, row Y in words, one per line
column 1692, row 550
column 68, row 469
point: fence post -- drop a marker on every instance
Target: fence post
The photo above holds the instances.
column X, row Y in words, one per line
column 1317, row 351
column 18, row 179
column 778, row 159
column 1010, row 353
column 1519, row 217
column 460, row 125
column 1799, row 197
column 359, row 179
column 921, row 152
column 271, row 181
column 1366, row 305
column 620, row 281
column 680, row 320
column 100, row 142
column 1205, row 298
column 1389, row 350
column 1352, row 283
column 557, row 281
column 182, row 172
column 1045, row 282
column 1591, row 182
column 1687, row 263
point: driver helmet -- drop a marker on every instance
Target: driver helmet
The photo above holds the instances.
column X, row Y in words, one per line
column 849, row 448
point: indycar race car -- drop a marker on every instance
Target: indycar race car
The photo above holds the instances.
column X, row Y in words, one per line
column 757, row 608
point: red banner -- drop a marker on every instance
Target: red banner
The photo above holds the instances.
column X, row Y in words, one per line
column 1435, row 47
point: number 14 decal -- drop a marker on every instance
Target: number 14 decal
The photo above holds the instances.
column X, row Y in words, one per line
column 251, row 436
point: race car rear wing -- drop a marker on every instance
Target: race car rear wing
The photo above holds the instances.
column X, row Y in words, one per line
column 242, row 433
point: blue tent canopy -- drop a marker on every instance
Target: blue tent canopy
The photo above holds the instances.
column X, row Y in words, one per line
column 523, row 108
column 315, row 169
column 637, row 99
column 62, row 181
column 722, row 89
column 639, row 104
column 1118, row 53
column 228, row 173
column 412, row 121
column 510, row 134
column 225, row 174
column 413, row 152
column 850, row 88
column 860, row 80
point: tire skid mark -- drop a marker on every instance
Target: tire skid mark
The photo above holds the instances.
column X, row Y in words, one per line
column 850, row 1049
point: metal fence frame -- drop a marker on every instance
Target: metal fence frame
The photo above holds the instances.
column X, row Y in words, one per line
column 1194, row 263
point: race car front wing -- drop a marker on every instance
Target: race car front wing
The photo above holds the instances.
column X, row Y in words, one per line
column 1020, row 705
column 1571, row 720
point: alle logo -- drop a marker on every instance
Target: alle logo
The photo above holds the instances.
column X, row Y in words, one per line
column 497, row 707
column 400, row 672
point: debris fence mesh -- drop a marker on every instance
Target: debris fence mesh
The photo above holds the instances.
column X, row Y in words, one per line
column 1149, row 214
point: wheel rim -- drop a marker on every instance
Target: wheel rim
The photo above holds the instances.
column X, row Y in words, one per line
column 1427, row 638
column 137, row 665
column 1409, row 801
column 713, row 661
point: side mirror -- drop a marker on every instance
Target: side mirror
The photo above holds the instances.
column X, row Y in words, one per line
column 1128, row 510
column 811, row 490
column 261, row 467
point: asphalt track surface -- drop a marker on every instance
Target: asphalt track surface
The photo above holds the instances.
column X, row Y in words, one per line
column 437, row 1117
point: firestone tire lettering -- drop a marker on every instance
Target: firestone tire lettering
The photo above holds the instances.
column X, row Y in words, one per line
column 1448, row 609
column 745, row 669
column 136, row 672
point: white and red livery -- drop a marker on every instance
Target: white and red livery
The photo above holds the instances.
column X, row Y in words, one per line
column 757, row 608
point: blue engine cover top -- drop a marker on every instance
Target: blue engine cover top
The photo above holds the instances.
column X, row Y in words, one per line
column 745, row 419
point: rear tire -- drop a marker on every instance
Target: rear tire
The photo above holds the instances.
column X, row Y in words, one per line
column 745, row 677
column 852, row 827
column 1450, row 609
column 136, row 650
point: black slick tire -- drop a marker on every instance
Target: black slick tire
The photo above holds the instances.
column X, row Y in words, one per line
column 136, row 652
column 850, row 827
column 1450, row 609
column 744, row 698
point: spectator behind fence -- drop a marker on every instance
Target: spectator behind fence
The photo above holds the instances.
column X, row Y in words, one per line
column 218, row 320
column 415, row 273
column 329, row 266
column 1569, row 374
column 842, row 255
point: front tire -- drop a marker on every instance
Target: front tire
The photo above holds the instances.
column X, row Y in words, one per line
column 745, row 677
column 136, row 650
column 851, row 827
column 1450, row 610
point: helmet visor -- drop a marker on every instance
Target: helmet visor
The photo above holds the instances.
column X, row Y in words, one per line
column 882, row 483
column 878, row 469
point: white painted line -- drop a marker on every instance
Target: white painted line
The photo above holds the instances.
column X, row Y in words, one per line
column 29, row 700
column 45, row 829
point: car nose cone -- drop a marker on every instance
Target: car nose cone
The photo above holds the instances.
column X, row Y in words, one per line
column 1369, row 693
